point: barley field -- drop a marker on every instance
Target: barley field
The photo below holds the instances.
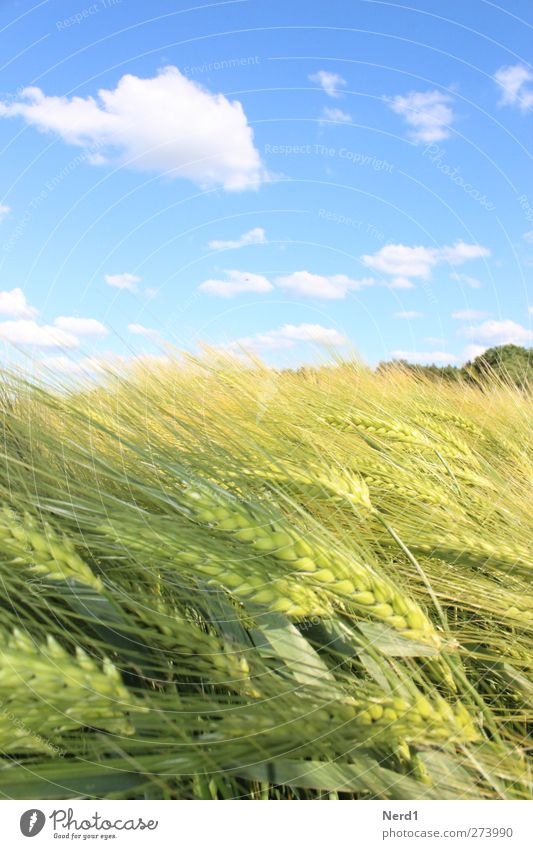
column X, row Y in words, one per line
column 223, row 581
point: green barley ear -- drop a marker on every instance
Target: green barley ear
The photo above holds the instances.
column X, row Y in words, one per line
column 46, row 693
column 42, row 550
column 338, row 575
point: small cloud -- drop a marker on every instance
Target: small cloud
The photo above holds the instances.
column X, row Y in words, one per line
column 4, row 211
column 123, row 281
column 469, row 315
column 14, row 304
column 466, row 280
column 462, row 252
column 512, row 81
column 236, row 283
column 333, row 286
column 425, row 357
column 530, row 310
column 328, row 82
column 473, row 351
column 428, row 113
column 26, row 332
column 336, row 116
column 505, row 332
column 408, row 314
column 403, row 261
column 140, row 330
column 81, row 326
column 289, row 335
column 528, row 237
column 252, row 237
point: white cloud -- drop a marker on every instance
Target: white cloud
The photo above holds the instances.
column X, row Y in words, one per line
column 123, row 281
column 166, row 123
column 473, row 351
column 81, row 326
column 469, row 315
column 462, row 252
column 4, row 211
column 289, row 335
column 329, row 82
column 505, row 332
column 425, row 357
column 408, row 314
column 321, row 286
column 26, row 332
column 256, row 236
column 428, row 113
column 530, row 310
column 14, row 304
column 528, row 237
column 512, row 81
column 465, row 279
column 335, row 115
column 141, row 330
column 236, row 283
column 403, row 262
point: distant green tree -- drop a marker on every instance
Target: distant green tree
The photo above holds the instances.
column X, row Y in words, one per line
column 511, row 363
column 432, row 371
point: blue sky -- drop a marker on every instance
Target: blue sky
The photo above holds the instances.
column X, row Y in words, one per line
column 267, row 175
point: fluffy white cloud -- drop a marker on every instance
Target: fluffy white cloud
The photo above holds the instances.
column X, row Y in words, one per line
column 428, row 114
column 236, row 283
column 123, row 281
column 26, row 332
column 81, row 326
column 403, row 262
column 329, row 82
column 528, row 237
column 504, row 332
column 256, row 236
column 4, row 211
column 462, row 252
column 473, row 351
column 14, row 304
column 469, row 315
column 335, row 115
column 514, row 82
column 166, row 123
column 289, row 335
column 408, row 314
column 141, row 330
column 333, row 286
column 425, row 357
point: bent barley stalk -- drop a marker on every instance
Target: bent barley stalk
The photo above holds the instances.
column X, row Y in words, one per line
column 396, row 431
column 46, row 692
column 337, row 574
column 337, row 487
column 41, row 550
